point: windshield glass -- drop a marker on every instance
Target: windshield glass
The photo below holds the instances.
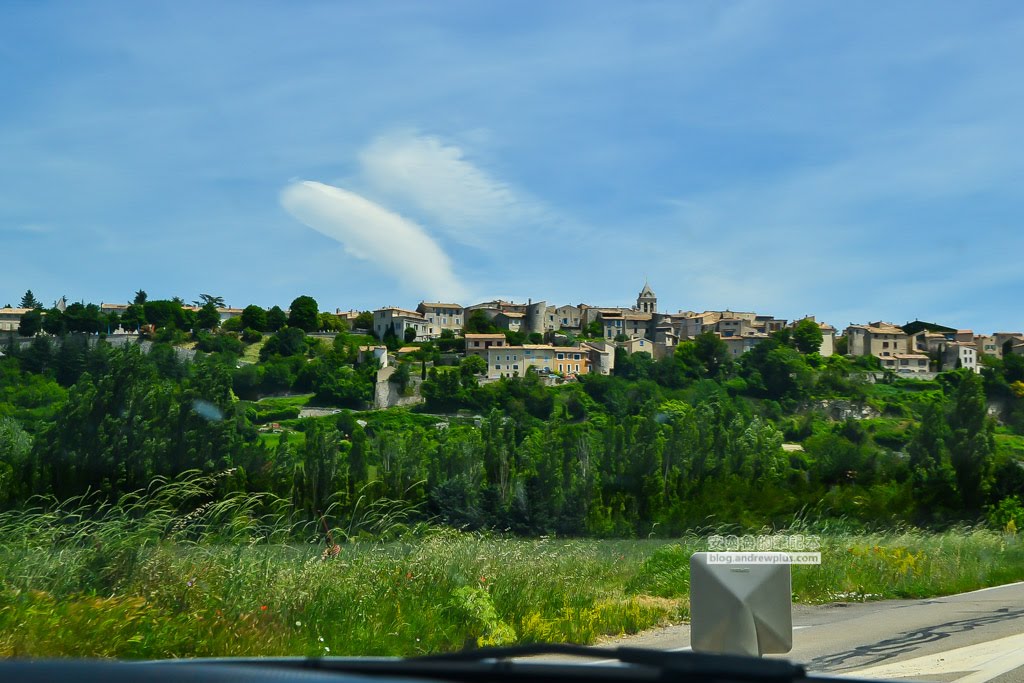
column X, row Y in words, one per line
column 403, row 328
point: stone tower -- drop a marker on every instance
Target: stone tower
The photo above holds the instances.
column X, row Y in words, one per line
column 647, row 302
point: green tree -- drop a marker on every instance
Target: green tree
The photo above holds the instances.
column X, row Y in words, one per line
column 134, row 317
column 473, row 365
column 140, row 297
column 208, row 318
column 204, row 299
column 593, row 330
column 712, row 352
column 39, row 356
column 251, row 336
column 807, row 336
column 276, row 319
column 410, row 335
column 31, row 322
column 255, row 318
column 363, row 321
column 972, row 441
column 329, row 322
column 54, row 323
column 304, row 314
column 16, row 467
column 28, row 300
column 477, row 322
column 84, row 318
column 163, row 313
column 401, row 377
column 288, row 341
column 932, row 476
column 442, row 390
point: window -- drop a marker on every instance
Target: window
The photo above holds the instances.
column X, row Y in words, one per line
column 497, row 367
column 560, row 356
column 577, row 367
column 515, row 367
column 576, row 356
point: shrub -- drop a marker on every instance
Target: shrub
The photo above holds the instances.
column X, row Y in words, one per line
column 251, row 336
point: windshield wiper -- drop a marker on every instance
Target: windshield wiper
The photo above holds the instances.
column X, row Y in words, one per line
column 519, row 664
column 697, row 665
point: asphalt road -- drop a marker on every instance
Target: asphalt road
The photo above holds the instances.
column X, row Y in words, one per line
column 968, row 638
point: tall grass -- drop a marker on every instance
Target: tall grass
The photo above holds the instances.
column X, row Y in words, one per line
column 172, row 572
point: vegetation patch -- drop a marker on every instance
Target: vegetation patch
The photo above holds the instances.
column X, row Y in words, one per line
column 245, row 576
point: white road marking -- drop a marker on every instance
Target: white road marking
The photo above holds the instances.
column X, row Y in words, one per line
column 979, row 663
column 990, row 588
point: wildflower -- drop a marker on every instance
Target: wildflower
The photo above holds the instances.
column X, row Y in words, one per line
column 263, row 608
column 298, row 623
column 408, row 575
column 321, row 639
column 483, row 579
column 327, row 649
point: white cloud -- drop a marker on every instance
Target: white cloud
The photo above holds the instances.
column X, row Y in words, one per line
column 373, row 233
column 437, row 181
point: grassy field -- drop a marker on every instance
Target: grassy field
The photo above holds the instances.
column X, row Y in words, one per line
column 140, row 579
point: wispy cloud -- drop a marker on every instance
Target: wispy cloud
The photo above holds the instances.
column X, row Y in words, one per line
column 373, row 233
column 28, row 228
column 437, row 180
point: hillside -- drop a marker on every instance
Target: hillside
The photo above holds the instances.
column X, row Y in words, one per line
column 658, row 448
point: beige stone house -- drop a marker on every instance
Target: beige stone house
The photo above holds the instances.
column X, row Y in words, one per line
column 443, row 316
column 398, row 319
column 960, row 355
column 601, row 355
column 10, row 318
column 478, row 344
column 636, row 345
column 510, row 361
column 986, row 344
column 828, row 340
column 906, row 363
column 567, row 318
column 876, row 339
column 741, row 344
column 510, row 320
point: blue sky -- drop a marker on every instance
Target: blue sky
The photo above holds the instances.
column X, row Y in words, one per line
column 855, row 161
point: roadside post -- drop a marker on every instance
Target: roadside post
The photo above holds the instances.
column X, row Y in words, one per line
column 740, row 605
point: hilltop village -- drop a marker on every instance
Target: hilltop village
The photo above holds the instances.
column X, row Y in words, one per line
column 564, row 341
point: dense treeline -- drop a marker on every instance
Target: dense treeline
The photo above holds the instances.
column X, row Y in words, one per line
column 662, row 446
